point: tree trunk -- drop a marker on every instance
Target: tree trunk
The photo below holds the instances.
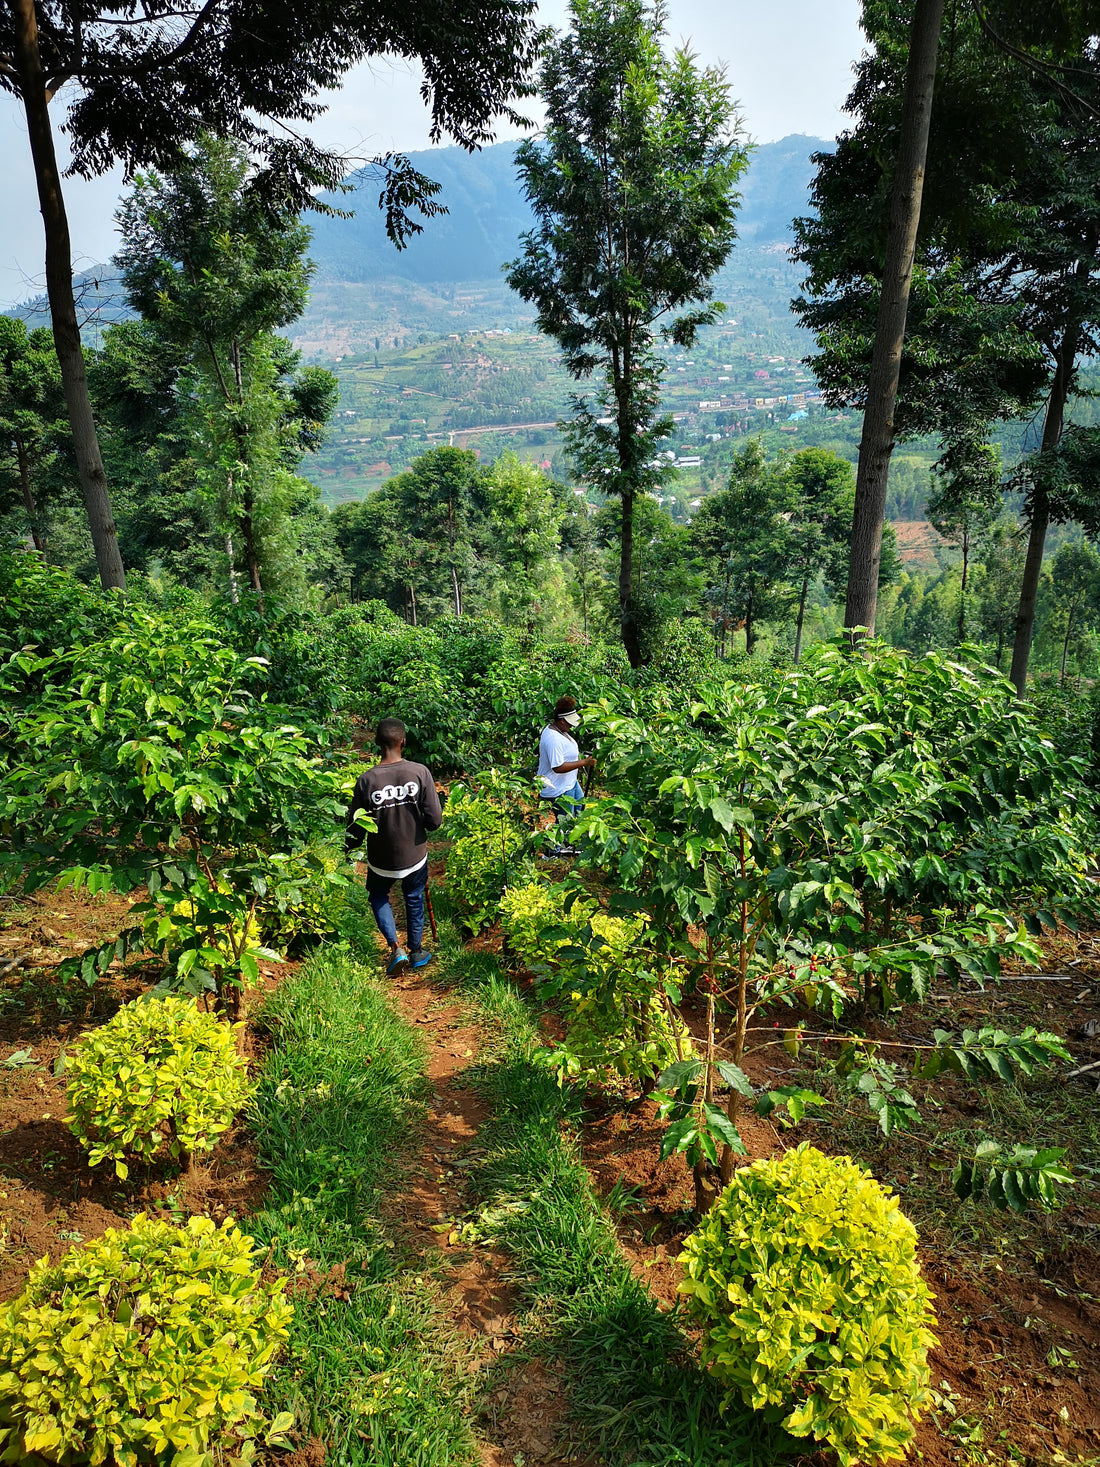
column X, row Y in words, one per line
column 412, row 602
column 628, row 624
column 750, row 631
column 248, row 500
column 458, row 594
column 801, row 617
column 877, row 442
column 28, row 496
column 1065, row 645
column 248, row 531
column 59, row 289
column 233, row 595
column 726, row 609
column 1040, row 512
column 961, row 630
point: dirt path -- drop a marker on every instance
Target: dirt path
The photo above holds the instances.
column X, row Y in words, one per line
column 522, row 1402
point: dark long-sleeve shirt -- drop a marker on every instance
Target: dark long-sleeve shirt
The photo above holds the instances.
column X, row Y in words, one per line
column 401, row 798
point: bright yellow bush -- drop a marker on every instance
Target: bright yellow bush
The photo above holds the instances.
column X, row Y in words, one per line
column 146, row 1345
column 162, row 1075
column 805, row 1278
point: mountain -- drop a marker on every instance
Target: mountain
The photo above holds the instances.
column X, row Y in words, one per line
column 367, row 295
column 487, row 213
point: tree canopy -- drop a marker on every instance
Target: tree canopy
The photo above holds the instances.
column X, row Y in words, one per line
column 633, row 190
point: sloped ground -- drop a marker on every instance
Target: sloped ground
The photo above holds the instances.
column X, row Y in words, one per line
column 1017, row 1373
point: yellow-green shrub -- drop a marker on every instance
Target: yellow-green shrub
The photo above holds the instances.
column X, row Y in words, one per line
column 804, row 1275
column 486, row 855
column 161, row 1074
column 615, row 1017
column 146, row 1345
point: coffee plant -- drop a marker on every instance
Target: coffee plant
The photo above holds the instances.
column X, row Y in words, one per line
column 152, row 759
column 837, row 837
column 618, row 1020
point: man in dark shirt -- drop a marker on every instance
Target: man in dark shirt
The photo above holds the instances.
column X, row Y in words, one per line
column 401, row 798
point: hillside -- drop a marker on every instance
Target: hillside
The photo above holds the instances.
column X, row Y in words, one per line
column 368, row 296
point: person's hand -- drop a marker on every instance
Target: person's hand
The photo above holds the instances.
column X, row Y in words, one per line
column 590, row 762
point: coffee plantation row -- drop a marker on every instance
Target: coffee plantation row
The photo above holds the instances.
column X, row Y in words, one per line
column 769, row 852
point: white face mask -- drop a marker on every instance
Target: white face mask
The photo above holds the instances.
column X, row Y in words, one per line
column 572, row 719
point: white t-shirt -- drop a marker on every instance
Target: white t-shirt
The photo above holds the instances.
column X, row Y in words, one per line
column 556, row 748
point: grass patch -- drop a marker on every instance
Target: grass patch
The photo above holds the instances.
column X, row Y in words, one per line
column 374, row 1373
column 636, row 1392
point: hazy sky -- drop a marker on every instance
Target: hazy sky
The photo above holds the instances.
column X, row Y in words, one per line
column 789, row 65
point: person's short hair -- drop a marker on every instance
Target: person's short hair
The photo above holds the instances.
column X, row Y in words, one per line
column 565, row 704
column 389, row 733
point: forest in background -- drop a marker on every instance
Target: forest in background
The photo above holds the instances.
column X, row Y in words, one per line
column 413, row 373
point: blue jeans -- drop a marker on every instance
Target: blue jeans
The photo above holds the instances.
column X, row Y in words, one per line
column 568, row 806
column 412, row 889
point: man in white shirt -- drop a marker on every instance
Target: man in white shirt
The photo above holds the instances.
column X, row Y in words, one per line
column 559, row 762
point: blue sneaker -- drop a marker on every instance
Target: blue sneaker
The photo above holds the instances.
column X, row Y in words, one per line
column 397, row 961
column 418, row 958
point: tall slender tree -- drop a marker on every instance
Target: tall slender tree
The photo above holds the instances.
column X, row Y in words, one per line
column 1005, row 288
column 216, row 273
column 633, row 190
column 877, row 441
column 818, row 526
column 145, row 77
column 741, row 536
column 34, row 464
column 964, row 506
column 1075, row 591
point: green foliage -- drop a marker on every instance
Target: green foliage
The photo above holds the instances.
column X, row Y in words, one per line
column 851, row 829
column 633, row 192
column 617, row 1017
column 214, row 270
column 698, row 1127
column 1012, row 1178
column 742, row 534
column 989, row 1052
column 144, row 752
column 886, row 813
column 488, row 851
column 145, row 1345
column 160, row 1077
column 805, row 1279
column 36, row 460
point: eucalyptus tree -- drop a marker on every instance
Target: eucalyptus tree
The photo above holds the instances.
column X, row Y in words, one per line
column 145, row 77
column 997, row 583
column 632, row 185
column 741, row 535
column 819, row 526
column 34, row 463
column 1006, row 290
column 877, row 442
column 216, row 272
column 1075, row 592
column 412, row 542
column 965, row 504
column 525, row 511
